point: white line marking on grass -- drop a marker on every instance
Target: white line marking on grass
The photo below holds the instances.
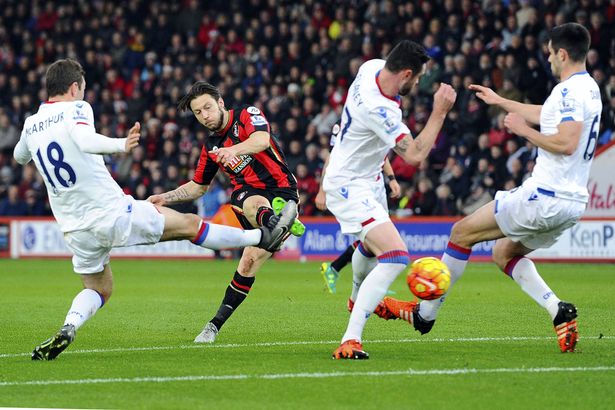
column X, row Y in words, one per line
column 319, row 375
column 307, row 342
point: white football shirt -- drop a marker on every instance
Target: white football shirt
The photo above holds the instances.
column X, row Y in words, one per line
column 575, row 99
column 370, row 127
column 81, row 191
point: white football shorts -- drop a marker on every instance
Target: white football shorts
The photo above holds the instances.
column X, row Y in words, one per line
column 534, row 216
column 358, row 205
column 139, row 224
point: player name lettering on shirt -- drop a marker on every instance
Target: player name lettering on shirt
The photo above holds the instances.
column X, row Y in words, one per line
column 43, row 125
column 356, row 95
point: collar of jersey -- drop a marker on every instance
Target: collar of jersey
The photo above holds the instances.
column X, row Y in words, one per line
column 579, row 73
column 397, row 98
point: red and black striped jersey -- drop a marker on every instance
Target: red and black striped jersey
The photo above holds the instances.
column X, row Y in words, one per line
column 264, row 170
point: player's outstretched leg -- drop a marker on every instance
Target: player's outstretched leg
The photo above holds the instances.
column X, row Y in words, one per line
column 565, row 324
column 52, row 347
column 297, row 228
column 350, row 349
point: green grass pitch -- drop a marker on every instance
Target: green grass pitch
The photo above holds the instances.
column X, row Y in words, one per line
column 492, row 346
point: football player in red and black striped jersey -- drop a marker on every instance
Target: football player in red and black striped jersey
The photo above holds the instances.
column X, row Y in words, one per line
column 241, row 145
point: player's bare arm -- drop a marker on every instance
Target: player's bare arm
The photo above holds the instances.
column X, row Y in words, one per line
column 530, row 112
column 257, row 142
column 389, row 177
column 187, row 192
column 320, row 200
column 564, row 142
column 416, row 150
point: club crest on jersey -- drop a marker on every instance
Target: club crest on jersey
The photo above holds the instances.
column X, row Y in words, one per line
column 253, row 110
column 382, row 112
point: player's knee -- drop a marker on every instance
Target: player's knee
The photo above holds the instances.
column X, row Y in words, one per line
column 458, row 236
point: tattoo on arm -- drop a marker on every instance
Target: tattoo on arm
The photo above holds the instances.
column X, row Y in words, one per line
column 402, row 146
column 178, row 195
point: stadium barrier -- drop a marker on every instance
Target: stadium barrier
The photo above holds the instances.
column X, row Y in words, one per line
column 591, row 240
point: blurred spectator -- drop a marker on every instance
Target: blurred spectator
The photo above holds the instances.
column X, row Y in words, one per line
column 9, row 135
column 445, row 202
column 12, row 205
column 478, row 197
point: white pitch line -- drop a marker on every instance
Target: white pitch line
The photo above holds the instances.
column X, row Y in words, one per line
column 319, row 375
column 306, row 342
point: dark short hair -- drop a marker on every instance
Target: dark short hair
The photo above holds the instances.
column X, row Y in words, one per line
column 61, row 74
column 406, row 54
column 572, row 37
column 199, row 88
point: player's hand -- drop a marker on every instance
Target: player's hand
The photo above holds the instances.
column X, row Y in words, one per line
column 132, row 140
column 516, row 124
column 224, row 155
column 395, row 189
column 321, row 202
column 486, row 94
column 444, row 98
column 157, row 200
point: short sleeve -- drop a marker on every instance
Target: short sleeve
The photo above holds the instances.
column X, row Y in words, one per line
column 80, row 115
column 569, row 105
column 254, row 120
column 387, row 124
column 205, row 169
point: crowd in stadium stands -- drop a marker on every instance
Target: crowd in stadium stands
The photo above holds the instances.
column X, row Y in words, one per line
column 295, row 61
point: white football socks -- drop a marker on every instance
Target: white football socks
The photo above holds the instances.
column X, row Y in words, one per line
column 84, row 306
column 523, row 271
column 214, row 236
column 362, row 263
column 373, row 289
column 456, row 258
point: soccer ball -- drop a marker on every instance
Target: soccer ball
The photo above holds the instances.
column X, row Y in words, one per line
column 428, row 278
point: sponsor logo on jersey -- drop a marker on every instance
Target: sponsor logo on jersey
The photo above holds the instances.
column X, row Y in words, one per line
column 253, row 110
column 344, row 192
column 235, row 130
column 564, row 92
column 258, row 120
column 237, row 164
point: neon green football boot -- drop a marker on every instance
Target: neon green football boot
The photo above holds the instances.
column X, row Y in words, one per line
column 297, row 229
column 330, row 276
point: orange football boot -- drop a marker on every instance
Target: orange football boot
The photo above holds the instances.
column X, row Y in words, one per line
column 350, row 349
column 381, row 310
column 565, row 324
